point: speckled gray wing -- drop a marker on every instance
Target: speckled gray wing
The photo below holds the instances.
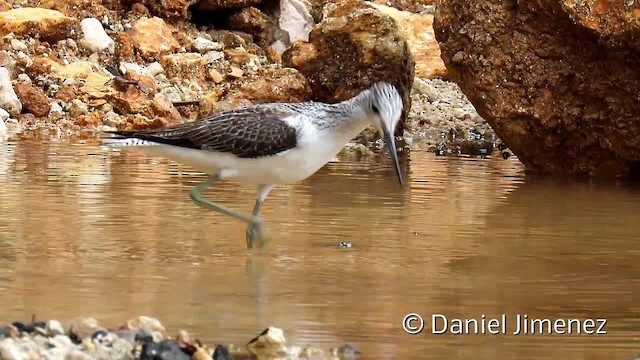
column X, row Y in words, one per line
column 248, row 132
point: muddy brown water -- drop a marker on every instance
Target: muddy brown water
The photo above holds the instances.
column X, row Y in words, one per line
column 89, row 232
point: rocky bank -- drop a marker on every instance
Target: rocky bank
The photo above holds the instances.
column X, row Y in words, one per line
column 86, row 66
column 143, row 338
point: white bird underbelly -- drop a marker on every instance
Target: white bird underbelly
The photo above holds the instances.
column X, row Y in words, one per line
column 284, row 168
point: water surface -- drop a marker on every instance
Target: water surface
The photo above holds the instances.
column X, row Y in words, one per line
column 90, row 232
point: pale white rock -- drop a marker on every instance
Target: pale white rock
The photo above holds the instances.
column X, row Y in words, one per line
column 54, row 327
column 77, row 108
column 94, row 38
column 127, row 66
column 8, row 98
column 153, row 69
column 213, row 56
column 25, row 58
column 69, row 81
column 295, row 18
column 4, row 116
column 18, row 45
column 55, row 110
column 9, row 350
column 24, row 78
column 203, row 45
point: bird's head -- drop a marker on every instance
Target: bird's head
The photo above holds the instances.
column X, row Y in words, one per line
column 384, row 109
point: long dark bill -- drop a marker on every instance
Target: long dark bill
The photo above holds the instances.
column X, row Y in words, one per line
column 391, row 144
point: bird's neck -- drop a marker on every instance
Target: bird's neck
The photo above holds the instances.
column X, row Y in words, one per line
column 349, row 117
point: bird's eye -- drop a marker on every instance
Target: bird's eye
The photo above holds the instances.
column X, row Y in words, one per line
column 375, row 109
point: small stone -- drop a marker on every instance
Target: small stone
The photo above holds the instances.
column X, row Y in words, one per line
column 69, row 82
column 127, row 66
column 34, row 99
column 153, row 69
column 18, row 45
column 111, row 119
column 165, row 349
column 9, row 100
column 269, row 343
column 9, row 350
column 77, row 108
column 94, row 38
column 221, row 353
column 54, row 327
column 83, row 327
column 24, row 78
column 152, row 325
column 215, row 76
column 345, row 244
column 4, row 116
column 183, row 336
column 152, row 37
column 236, row 72
column 203, row 45
column 213, row 56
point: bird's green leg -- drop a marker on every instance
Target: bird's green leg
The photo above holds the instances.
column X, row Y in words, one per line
column 250, row 230
column 253, row 221
column 252, row 241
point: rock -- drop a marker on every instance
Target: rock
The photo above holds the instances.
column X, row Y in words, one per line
column 18, row 45
column 152, row 37
column 8, row 98
column 148, row 324
column 213, row 56
column 81, row 328
column 24, row 78
column 210, row 5
column 94, row 38
column 203, row 45
column 561, row 95
column 153, row 69
column 254, row 22
column 295, row 18
column 33, row 99
column 55, row 110
column 45, row 24
column 221, row 352
column 418, row 30
column 184, row 66
column 10, row 351
column 270, row 343
column 172, row 9
column 75, row 8
column 269, row 84
column 354, row 46
column 77, row 108
column 165, row 350
column 94, row 79
column 4, row 115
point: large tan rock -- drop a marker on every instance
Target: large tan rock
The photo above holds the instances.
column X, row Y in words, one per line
column 92, row 79
column 558, row 87
column 270, row 84
column 418, row 30
column 48, row 25
column 75, row 8
column 153, row 37
column 177, row 9
column 354, row 46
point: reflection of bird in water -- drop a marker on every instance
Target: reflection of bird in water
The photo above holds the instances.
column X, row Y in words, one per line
column 270, row 144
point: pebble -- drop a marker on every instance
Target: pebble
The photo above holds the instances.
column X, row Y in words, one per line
column 203, row 45
column 94, row 38
column 8, row 98
column 24, row 78
column 4, row 116
column 18, row 45
column 10, row 351
column 153, row 69
column 213, row 56
column 165, row 350
column 77, row 108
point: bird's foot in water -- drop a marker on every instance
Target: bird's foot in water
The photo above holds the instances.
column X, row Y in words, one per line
column 256, row 237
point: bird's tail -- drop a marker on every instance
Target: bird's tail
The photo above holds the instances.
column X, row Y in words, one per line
column 121, row 139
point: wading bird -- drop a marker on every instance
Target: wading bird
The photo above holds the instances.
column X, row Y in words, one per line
column 269, row 144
